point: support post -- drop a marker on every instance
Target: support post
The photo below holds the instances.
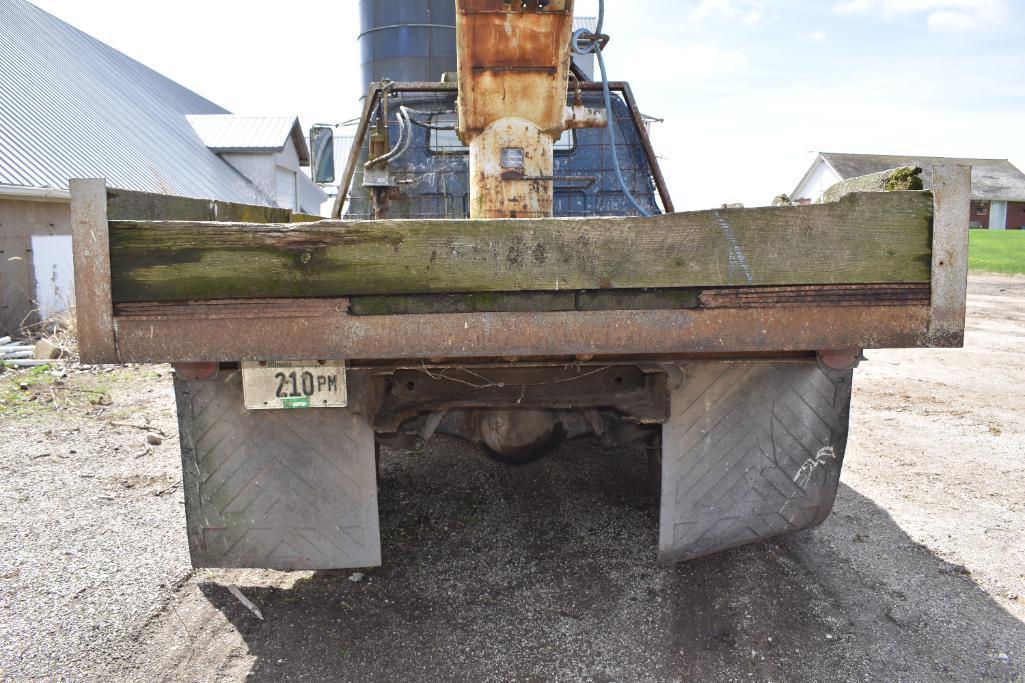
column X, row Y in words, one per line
column 94, row 309
column 952, row 193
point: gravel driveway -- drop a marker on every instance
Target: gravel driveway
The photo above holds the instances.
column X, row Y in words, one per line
column 539, row 572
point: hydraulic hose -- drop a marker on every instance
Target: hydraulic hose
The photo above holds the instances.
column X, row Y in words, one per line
column 594, row 46
column 424, row 124
column 405, row 135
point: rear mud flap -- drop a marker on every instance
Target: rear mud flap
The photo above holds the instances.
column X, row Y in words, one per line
column 280, row 489
column 751, row 450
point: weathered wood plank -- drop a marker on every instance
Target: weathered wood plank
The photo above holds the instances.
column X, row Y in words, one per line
column 908, row 294
column 145, row 206
column 94, row 312
column 893, row 180
column 637, row 300
column 132, row 205
column 481, row 302
column 864, row 238
column 486, row 302
column 806, row 296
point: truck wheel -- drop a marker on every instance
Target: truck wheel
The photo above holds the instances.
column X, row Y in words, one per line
column 751, row 450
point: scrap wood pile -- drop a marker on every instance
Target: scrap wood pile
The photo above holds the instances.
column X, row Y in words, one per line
column 27, row 354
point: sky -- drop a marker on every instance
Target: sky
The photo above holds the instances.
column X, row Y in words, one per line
column 749, row 89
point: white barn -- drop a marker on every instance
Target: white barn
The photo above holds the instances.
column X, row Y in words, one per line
column 998, row 187
column 74, row 107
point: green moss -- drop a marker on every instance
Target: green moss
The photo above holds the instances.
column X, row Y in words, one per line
column 478, row 302
column 906, row 178
column 485, row 302
column 627, row 300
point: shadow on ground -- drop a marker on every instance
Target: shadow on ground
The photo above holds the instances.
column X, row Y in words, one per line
column 547, row 572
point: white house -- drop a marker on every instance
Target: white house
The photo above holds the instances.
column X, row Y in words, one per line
column 73, row 107
column 998, row 187
column 269, row 151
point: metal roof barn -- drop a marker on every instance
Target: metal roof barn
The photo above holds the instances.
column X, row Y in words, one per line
column 230, row 133
column 114, row 117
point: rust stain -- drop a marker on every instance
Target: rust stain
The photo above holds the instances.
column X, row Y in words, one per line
column 518, row 51
column 322, row 329
column 513, row 69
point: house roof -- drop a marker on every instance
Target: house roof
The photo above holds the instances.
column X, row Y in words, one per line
column 73, row 106
column 230, row 133
column 992, row 179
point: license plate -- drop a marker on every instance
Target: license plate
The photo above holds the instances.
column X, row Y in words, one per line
column 268, row 385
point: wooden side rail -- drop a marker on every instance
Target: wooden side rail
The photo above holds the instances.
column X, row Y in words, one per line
column 873, row 270
column 862, row 239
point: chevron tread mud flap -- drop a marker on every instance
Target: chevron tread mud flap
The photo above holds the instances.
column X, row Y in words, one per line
column 751, row 450
column 281, row 489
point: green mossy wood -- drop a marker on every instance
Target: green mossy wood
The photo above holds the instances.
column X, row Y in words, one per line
column 132, row 205
column 863, row 238
column 893, row 180
column 601, row 300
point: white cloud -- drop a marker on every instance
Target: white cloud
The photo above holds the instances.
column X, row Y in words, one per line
column 816, row 36
column 690, row 61
column 940, row 105
column 941, row 15
column 853, row 6
column 746, row 11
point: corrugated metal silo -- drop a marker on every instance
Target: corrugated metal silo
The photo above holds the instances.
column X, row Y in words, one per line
column 407, row 40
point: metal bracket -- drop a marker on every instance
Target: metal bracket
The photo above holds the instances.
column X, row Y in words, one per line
column 582, row 181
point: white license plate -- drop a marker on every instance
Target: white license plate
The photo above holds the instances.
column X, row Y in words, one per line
column 270, row 385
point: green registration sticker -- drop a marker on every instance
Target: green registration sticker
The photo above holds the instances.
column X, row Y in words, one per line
column 301, row 402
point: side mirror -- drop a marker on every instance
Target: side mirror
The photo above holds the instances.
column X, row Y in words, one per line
column 322, row 153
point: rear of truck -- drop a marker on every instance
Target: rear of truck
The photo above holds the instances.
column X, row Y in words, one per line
column 719, row 344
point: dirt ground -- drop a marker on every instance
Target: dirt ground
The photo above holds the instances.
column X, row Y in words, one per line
column 539, row 572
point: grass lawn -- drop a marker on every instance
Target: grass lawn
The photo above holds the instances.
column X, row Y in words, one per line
column 997, row 251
